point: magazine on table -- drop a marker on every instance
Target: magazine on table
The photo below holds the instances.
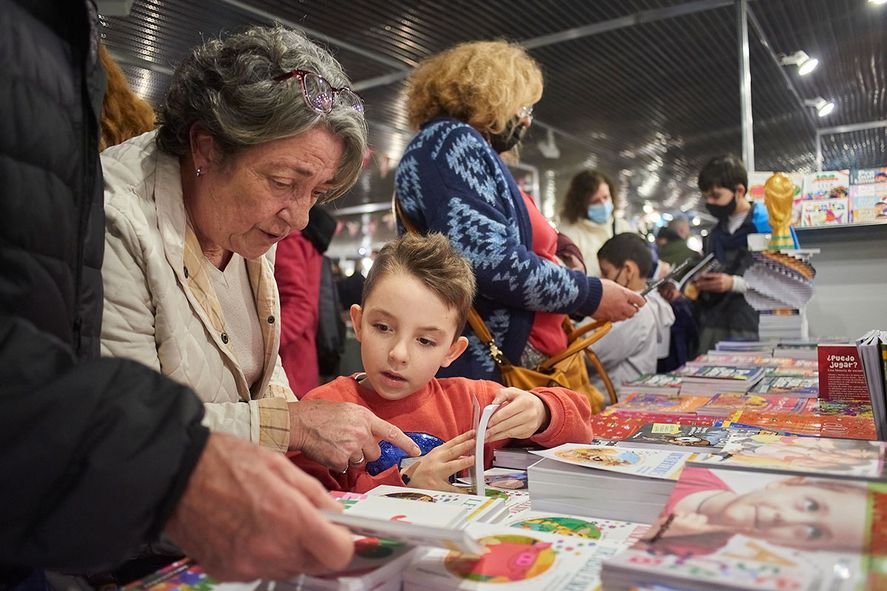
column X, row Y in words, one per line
column 650, row 463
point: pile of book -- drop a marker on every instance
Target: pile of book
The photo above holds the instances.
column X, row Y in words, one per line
column 872, row 348
column 606, row 480
column 768, row 513
column 710, row 378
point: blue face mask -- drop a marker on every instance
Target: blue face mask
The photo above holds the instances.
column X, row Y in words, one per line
column 600, row 213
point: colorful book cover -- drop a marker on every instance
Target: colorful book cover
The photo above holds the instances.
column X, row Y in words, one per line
column 868, row 176
column 810, row 424
column 726, row 403
column 562, row 524
column 678, row 437
column 826, row 184
column 650, row 463
column 825, row 212
column 739, row 529
column 514, row 560
column 868, row 203
column 718, row 373
column 614, row 425
column 844, row 458
column 841, row 377
column 405, row 509
column 791, row 371
column 657, row 383
column 478, row 508
column 661, row 404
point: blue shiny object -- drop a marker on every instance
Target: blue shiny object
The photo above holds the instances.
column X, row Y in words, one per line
column 392, row 455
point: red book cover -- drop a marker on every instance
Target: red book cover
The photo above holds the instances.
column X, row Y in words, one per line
column 618, row 426
column 841, row 378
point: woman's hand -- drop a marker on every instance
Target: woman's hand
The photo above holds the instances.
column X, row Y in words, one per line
column 617, row 302
column 520, row 415
column 434, row 469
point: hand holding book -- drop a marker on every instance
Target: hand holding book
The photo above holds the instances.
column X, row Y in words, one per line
column 433, row 471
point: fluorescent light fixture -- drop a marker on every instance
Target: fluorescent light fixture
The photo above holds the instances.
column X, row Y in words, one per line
column 804, row 62
column 877, row 2
column 822, row 106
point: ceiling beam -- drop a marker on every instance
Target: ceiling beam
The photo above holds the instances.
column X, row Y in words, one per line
column 270, row 16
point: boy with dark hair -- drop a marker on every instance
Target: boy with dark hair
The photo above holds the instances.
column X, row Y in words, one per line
column 415, row 303
column 632, row 346
column 721, row 309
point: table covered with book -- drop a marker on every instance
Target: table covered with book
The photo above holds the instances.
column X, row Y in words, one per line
column 741, row 470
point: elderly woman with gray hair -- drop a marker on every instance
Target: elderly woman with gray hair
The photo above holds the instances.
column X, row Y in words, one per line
column 256, row 128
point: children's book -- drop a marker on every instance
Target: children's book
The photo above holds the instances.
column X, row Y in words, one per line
column 841, row 426
column 687, row 284
column 615, row 425
column 825, row 212
column 738, row 529
column 650, row 463
column 657, row 383
column 561, row 524
column 726, row 403
column 841, row 375
column 480, row 420
column 518, row 458
column 405, row 509
column 868, row 203
column 718, row 378
column 671, row 437
column 513, row 560
column 661, row 404
column 841, row 458
column 868, row 176
column 826, row 184
column 799, row 387
column 476, row 507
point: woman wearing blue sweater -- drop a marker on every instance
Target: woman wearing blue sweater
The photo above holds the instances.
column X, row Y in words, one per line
column 469, row 104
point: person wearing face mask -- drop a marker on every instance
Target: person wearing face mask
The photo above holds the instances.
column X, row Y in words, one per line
column 587, row 215
column 721, row 309
column 632, row 347
column 469, row 104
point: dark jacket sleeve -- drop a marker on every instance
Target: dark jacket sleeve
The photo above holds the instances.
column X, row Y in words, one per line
column 95, row 454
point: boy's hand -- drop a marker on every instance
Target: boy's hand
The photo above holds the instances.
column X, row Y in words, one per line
column 521, row 415
column 433, row 470
column 715, row 282
column 669, row 291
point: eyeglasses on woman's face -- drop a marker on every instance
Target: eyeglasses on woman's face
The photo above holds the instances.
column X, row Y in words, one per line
column 319, row 94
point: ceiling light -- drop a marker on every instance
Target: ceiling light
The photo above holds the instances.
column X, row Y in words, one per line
column 822, row 106
column 876, row 2
column 805, row 63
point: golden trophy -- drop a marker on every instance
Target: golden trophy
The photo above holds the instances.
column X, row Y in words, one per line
column 779, row 193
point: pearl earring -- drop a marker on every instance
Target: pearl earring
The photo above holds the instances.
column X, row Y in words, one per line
column 199, row 171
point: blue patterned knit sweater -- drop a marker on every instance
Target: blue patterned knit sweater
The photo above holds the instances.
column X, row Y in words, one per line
column 450, row 181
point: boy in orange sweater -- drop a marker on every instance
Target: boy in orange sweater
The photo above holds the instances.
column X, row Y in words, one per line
column 415, row 303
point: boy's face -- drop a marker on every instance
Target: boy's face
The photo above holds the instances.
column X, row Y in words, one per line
column 406, row 333
column 718, row 196
column 804, row 516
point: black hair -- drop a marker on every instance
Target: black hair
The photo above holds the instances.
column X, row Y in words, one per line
column 726, row 171
column 627, row 247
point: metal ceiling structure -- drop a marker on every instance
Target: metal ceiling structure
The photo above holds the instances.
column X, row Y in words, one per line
column 646, row 90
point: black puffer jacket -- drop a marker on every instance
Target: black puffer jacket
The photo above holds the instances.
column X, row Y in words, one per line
column 94, row 454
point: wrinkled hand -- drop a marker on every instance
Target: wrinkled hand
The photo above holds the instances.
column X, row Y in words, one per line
column 248, row 513
column 617, row 302
column 336, row 433
column 434, row 469
column 715, row 282
column 520, row 415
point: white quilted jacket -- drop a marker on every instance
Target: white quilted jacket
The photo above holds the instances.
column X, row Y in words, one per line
column 160, row 305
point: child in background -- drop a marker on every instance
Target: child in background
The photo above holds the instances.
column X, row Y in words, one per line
column 632, row 346
column 415, row 302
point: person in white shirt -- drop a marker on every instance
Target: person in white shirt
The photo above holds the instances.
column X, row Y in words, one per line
column 632, row 347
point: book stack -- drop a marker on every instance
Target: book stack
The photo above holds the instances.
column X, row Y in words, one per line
column 868, row 195
column 593, row 528
column 612, row 424
column 745, row 347
column 514, row 560
column 604, row 481
column 518, row 458
column 799, row 387
column 872, row 348
column 664, row 384
column 739, row 529
column 725, row 404
column 671, row 437
column 844, row 420
column 663, row 404
column 791, row 454
column 711, row 379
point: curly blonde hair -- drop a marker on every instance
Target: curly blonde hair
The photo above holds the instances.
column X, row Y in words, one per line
column 483, row 83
